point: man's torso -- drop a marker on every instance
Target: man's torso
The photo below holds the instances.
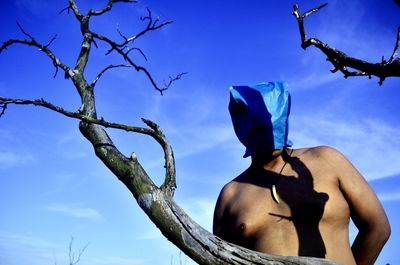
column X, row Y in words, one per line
column 311, row 219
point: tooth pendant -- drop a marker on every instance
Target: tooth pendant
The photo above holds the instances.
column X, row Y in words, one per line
column 275, row 194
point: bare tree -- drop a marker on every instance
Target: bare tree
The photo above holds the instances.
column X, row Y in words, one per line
column 74, row 258
column 350, row 66
column 156, row 201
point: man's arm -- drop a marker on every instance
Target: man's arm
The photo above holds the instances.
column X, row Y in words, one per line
column 219, row 221
column 366, row 211
column 218, row 215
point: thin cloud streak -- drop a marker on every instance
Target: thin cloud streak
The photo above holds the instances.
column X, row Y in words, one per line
column 201, row 210
column 189, row 141
column 153, row 234
column 116, row 261
column 85, row 213
column 317, row 78
column 360, row 141
column 17, row 249
column 12, row 159
column 389, row 196
column 27, row 241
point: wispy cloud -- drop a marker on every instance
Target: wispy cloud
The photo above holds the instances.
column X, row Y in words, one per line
column 360, row 141
column 116, row 261
column 389, row 196
column 6, row 135
column 33, row 7
column 10, row 159
column 192, row 140
column 201, row 210
column 86, row 213
column 17, row 249
column 27, row 241
column 200, row 126
column 316, row 78
column 203, row 137
column 150, row 235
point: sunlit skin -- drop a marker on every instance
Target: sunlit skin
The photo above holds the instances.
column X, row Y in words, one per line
column 319, row 190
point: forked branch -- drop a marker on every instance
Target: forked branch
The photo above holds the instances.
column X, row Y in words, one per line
column 123, row 48
column 31, row 41
column 155, row 132
column 344, row 63
column 169, row 184
column 124, row 51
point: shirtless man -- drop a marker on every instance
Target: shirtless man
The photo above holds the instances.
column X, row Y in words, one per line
column 294, row 202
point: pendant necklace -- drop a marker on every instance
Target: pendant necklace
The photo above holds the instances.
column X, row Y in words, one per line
column 273, row 188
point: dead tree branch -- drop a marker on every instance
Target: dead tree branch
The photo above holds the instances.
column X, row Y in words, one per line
column 155, row 132
column 123, row 49
column 342, row 62
column 31, row 41
column 104, row 70
column 108, row 7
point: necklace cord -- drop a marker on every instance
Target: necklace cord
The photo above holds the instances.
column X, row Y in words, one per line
column 286, row 156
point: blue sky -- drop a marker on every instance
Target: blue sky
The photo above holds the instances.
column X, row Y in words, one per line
column 52, row 187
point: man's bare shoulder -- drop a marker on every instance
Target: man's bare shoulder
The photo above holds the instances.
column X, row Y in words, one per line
column 323, row 152
column 229, row 190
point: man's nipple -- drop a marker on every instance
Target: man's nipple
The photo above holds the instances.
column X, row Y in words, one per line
column 242, row 228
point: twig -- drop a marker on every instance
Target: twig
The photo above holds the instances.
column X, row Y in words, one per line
column 300, row 22
column 396, row 47
column 108, row 7
column 169, row 184
column 51, row 41
column 123, row 49
column 136, row 49
column 151, row 26
column 74, row 8
column 311, row 11
column 68, row 8
column 120, row 49
column 3, row 107
column 72, row 259
column 120, row 33
column 104, row 70
column 171, row 80
column 31, row 41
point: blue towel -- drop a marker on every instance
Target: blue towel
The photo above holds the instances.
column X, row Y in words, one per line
column 260, row 116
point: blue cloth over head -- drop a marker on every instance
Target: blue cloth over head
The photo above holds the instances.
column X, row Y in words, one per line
column 260, row 116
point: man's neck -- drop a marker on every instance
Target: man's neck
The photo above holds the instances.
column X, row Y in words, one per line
column 269, row 161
